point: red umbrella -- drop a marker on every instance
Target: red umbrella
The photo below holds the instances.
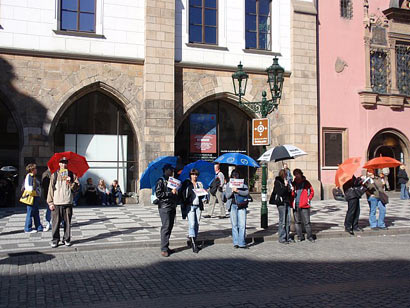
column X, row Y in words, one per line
column 346, row 170
column 381, row 162
column 76, row 163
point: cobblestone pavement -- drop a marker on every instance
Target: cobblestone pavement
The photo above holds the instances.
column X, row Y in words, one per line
column 340, row 272
column 137, row 225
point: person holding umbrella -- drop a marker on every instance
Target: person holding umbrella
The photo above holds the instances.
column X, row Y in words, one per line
column 353, row 190
column 192, row 198
column 302, row 194
column 374, row 190
column 167, row 203
column 63, row 184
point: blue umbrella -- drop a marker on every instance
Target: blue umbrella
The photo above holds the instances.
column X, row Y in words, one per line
column 154, row 171
column 237, row 159
column 206, row 172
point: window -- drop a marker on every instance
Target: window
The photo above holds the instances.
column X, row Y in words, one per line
column 346, row 9
column 258, row 24
column 203, row 21
column 403, row 68
column 378, row 70
column 333, row 147
column 77, row 15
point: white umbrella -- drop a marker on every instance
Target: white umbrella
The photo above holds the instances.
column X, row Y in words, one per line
column 282, row 152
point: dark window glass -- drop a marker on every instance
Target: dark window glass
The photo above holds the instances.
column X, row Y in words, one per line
column 346, row 9
column 77, row 15
column 333, row 149
column 203, row 21
column 257, row 24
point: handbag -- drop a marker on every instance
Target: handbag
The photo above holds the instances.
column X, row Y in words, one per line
column 27, row 197
column 383, row 197
column 241, row 201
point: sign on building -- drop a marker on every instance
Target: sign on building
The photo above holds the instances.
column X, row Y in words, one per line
column 260, row 132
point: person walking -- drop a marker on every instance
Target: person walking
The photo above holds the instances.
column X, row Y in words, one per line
column 63, row 184
column 237, row 211
column 32, row 185
column 45, row 183
column 352, row 195
column 192, row 201
column 280, row 196
column 374, row 189
column 219, row 177
column 167, row 203
column 402, row 180
column 302, row 194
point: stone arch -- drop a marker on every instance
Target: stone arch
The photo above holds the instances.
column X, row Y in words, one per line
column 402, row 138
column 16, row 117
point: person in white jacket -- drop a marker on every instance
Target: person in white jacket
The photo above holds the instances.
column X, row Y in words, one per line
column 32, row 185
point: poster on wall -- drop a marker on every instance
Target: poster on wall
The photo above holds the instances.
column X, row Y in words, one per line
column 203, row 133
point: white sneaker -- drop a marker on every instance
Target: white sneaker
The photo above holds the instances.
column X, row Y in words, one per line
column 120, row 203
column 47, row 228
column 103, row 203
column 68, row 244
column 32, row 231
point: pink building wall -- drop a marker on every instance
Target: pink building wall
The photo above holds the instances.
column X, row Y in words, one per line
column 340, row 105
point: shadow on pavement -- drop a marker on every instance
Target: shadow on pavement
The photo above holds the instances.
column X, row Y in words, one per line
column 90, row 221
column 26, row 258
column 123, row 231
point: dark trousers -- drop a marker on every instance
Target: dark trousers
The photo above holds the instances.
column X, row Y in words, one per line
column 60, row 213
column 284, row 222
column 352, row 214
column 167, row 219
column 302, row 215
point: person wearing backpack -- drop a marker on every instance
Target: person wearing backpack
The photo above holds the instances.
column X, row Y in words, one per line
column 216, row 193
column 63, row 184
column 281, row 198
column 192, row 206
column 302, row 194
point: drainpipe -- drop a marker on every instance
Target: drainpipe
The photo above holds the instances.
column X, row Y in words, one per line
column 318, row 102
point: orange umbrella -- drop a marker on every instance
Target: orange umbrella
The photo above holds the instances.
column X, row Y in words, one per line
column 381, row 162
column 346, row 170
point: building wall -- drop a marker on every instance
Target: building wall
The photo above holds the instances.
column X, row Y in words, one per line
column 342, row 61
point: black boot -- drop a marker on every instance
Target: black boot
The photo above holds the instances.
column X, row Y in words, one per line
column 195, row 248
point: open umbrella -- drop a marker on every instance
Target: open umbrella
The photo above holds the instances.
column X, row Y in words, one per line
column 282, row 152
column 346, row 170
column 76, row 163
column 154, row 171
column 206, row 172
column 381, row 162
column 237, row 159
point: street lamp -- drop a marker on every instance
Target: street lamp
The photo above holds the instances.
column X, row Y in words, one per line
column 275, row 79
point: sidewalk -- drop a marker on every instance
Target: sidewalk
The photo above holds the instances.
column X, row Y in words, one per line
column 138, row 226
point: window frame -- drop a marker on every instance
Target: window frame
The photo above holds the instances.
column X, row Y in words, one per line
column 343, row 132
column 203, row 25
column 346, row 9
column 257, row 28
column 78, row 11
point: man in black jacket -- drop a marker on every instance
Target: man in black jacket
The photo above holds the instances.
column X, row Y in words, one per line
column 352, row 195
column 167, row 203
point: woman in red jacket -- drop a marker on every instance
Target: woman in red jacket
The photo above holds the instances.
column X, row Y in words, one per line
column 302, row 194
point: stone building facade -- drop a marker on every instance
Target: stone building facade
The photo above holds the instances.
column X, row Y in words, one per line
column 155, row 83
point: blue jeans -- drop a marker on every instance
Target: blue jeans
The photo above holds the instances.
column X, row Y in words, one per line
column 238, row 221
column 404, row 193
column 375, row 203
column 194, row 215
column 33, row 213
column 118, row 195
column 284, row 222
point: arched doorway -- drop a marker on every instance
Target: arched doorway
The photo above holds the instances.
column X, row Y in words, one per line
column 212, row 129
column 9, row 156
column 393, row 144
column 97, row 127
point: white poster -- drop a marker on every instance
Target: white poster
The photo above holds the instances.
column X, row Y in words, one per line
column 236, row 183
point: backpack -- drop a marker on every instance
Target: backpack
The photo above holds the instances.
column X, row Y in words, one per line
column 214, row 186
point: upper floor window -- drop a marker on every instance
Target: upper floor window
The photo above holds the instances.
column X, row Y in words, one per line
column 77, row 15
column 346, row 9
column 258, row 24
column 203, row 21
column 403, row 68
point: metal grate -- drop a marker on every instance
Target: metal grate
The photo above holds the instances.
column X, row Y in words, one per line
column 346, row 9
column 378, row 70
column 403, row 69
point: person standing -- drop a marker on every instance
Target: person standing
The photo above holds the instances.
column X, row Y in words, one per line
column 237, row 213
column 386, row 172
column 289, row 176
column 374, row 187
column 45, row 183
column 281, row 195
column 402, row 180
column 219, row 177
column 32, row 185
column 63, row 184
column 352, row 196
column 302, row 195
column 192, row 206
column 167, row 203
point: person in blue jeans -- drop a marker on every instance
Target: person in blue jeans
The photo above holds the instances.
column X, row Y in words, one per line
column 374, row 187
column 402, row 180
column 33, row 185
column 237, row 215
column 192, row 195
column 116, row 193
